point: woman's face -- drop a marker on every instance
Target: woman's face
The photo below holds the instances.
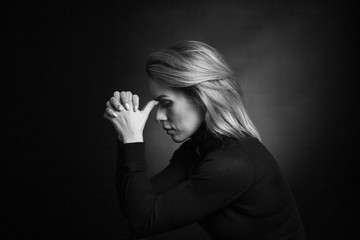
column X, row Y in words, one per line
column 180, row 116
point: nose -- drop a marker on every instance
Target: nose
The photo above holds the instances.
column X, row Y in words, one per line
column 160, row 115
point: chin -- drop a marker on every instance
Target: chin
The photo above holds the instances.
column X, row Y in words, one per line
column 178, row 139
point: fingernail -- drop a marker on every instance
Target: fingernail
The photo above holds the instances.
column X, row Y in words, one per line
column 115, row 115
column 127, row 106
column 120, row 108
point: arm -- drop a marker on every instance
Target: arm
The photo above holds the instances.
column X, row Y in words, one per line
column 174, row 174
column 149, row 212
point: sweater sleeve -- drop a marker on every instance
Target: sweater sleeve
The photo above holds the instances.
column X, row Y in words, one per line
column 174, row 174
column 150, row 211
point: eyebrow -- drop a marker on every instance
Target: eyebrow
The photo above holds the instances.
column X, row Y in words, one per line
column 160, row 97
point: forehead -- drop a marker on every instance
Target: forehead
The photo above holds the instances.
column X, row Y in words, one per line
column 157, row 90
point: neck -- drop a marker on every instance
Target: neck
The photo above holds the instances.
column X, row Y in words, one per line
column 200, row 135
column 205, row 140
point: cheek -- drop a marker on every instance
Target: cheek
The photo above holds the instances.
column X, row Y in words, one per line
column 188, row 122
column 184, row 117
column 176, row 118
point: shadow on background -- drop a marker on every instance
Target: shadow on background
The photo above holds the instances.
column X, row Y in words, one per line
column 297, row 64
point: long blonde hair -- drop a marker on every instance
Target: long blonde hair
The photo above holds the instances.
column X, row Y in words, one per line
column 199, row 71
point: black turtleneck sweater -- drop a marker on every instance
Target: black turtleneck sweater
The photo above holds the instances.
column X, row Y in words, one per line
column 233, row 188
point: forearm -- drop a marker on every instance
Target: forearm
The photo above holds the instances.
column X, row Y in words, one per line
column 136, row 196
column 130, row 172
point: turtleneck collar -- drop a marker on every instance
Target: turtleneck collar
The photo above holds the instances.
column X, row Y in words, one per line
column 205, row 140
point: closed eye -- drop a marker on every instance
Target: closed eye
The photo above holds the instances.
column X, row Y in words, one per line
column 165, row 104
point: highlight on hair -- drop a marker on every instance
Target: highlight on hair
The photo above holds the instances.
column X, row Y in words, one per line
column 199, row 71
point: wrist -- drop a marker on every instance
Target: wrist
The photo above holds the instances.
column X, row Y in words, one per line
column 133, row 139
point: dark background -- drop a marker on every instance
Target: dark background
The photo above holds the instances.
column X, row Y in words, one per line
column 298, row 64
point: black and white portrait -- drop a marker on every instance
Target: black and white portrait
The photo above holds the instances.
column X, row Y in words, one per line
column 180, row 120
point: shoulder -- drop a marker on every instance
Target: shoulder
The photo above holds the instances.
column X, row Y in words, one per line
column 230, row 161
column 246, row 150
column 248, row 157
column 232, row 153
column 228, row 169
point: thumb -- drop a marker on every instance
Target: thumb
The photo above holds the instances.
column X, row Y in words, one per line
column 149, row 106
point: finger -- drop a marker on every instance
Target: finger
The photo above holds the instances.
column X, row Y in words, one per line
column 135, row 101
column 149, row 106
column 117, row 95
column 106, row 115
column 124, row 100
column 116, row 104
column 111, row 112
column 130, row 96
column 108, row 104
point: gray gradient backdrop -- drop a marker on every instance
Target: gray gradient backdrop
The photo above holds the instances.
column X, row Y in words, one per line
column 296, row 61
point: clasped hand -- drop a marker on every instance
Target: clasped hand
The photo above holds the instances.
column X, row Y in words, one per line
column 122, row 110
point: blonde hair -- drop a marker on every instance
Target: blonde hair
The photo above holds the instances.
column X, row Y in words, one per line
column 199, row 71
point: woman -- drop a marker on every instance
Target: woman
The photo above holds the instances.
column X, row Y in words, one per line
column 221, row 176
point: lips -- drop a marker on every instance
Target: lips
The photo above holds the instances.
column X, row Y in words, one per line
column 169, row 130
